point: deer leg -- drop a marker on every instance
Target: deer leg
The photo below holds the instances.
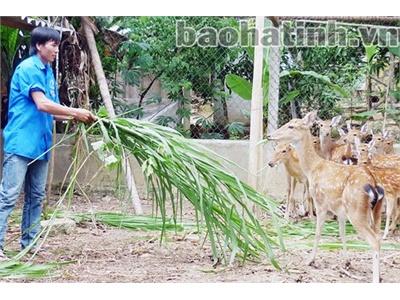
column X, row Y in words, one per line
column 309, row 201
column 289, row 192
column 373, row 240
column 302, row 209
column 377, row 215
column 395, row 217
column 321, row 216
column 389, row 214
column 292, row 202
column 342, row 230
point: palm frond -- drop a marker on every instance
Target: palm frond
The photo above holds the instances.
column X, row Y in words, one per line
column 173, row 166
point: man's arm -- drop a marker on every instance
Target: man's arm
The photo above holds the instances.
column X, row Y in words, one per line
column 45, row 105
column 62, row 118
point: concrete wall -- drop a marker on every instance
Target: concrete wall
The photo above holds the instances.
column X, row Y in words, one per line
column 274, row 179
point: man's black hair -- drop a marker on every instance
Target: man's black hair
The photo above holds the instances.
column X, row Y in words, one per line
column 41, row 35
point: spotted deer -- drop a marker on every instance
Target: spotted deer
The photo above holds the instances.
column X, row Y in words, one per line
column 383, row 142
column 388, row 178
column 347, row 191
column 341, row 150
column 317, row 145
column 285, row 154
column 327, row 144
column 344, row 152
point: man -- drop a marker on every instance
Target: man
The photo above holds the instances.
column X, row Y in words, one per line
column 33, row 103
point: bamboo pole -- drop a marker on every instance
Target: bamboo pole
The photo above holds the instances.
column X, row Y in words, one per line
column 256, row 118
column 88, row 28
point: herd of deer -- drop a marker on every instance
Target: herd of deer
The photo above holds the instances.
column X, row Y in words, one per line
column 347, row 177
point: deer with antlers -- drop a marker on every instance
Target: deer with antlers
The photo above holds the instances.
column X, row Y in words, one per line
column 284, row 153
column 347, row 191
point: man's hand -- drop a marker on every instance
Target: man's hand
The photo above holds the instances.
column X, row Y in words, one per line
column 84, row 115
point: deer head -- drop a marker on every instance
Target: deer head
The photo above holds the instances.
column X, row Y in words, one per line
column 316, row 143
column 383, row 142
column 281, row 154
column 325, row 127
column 364, row 152
column 352, row 133
column 294, row 130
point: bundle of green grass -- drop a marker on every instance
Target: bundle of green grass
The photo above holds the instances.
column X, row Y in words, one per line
column 176, row 169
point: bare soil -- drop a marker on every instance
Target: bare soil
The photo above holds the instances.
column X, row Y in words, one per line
column 99, row 253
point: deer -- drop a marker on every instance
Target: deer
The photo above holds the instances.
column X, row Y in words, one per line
column 388, row 178
column 383, row 142
column 344, row 152
column 341, row 150
column 327, row 144
column 284, row 153
column 385, row 160
column 347, row 191
column 317, row 146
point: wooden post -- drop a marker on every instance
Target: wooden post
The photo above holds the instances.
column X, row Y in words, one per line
column 89, row 29
column 256, row 117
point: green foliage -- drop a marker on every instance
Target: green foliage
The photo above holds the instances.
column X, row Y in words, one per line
column 10, row 41
column 16, row 269
column 239, row 85
column 176, row 168
column 151, row 50
column 123, row 220
column 325, row 79
column 235, row 130
column 322, row 76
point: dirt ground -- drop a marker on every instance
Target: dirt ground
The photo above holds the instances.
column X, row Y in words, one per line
column 106, row 254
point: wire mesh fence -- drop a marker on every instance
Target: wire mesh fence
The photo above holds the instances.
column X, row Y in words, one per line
column 204, row 83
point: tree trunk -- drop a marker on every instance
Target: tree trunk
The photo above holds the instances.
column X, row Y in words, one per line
column 368, row 92
column 89, row 29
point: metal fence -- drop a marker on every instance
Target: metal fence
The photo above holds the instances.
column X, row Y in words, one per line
column 213, row 100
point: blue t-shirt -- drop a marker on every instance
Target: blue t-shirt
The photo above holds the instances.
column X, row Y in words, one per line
column 28, row 132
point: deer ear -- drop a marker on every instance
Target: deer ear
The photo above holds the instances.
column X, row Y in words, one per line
column 385, row 134
column 348, row 123
column 364, row 128
column 310, row 118
column 335, row 121
column 341, row 132
column 371, row 144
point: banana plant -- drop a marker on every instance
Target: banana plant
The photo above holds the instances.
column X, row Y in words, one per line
column 9, row 45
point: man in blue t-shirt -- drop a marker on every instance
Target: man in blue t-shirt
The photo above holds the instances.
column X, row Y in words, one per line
column 33, row 103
